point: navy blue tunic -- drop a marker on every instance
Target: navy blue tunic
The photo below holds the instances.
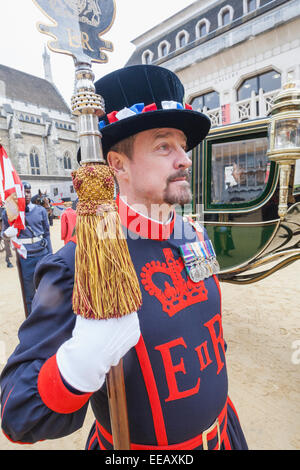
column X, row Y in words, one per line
column 37, row 225
column 176, row 377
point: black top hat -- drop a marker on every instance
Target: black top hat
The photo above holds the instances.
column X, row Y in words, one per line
column 143, row 97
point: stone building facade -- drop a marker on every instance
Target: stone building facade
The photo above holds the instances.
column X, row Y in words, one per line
column 233, row 56
column 38, row 130
column 227, row 49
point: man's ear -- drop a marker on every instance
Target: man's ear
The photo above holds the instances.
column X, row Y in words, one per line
column 116, row 161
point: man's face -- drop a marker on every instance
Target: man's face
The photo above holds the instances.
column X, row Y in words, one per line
column 158, row 171
column 27, row 196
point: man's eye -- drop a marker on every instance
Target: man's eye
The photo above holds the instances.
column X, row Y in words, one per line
column 163, row 147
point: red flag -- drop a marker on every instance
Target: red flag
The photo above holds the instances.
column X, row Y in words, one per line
column 14, row 197
column 13, row 191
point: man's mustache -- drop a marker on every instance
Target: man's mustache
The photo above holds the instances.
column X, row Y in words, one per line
column 187, row 174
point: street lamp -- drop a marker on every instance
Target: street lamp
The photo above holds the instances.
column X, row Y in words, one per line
column 284, row 138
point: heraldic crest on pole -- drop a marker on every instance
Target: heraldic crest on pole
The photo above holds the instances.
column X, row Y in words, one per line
column 74, row 27
column 88, row 11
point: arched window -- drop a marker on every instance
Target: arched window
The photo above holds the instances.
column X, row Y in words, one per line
column 67, row 161
column 208, row 101
column 34, row 162
column 163, row 49
column 182, row 39
column 225, row 16
column 202, row 28
column 250, row 5
column 147, row 57
column 267, row 81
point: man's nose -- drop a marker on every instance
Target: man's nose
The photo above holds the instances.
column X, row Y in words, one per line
column 182, row 159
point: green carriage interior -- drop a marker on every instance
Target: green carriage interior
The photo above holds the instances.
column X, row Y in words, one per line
column 235, row 189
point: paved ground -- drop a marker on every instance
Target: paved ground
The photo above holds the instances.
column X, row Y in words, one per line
column 262, row 331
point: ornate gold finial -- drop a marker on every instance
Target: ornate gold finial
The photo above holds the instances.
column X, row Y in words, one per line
column 284, row 138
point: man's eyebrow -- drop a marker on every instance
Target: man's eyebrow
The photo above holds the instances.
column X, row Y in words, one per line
column 164, row 134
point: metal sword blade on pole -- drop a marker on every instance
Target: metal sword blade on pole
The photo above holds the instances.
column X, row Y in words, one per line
column 76, row 30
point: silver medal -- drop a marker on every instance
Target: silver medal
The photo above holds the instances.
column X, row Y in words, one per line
column 195, row 273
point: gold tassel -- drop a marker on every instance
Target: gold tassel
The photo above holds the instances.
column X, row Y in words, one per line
column 106, row 284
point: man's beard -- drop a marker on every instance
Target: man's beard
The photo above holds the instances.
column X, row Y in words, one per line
column 182, row 195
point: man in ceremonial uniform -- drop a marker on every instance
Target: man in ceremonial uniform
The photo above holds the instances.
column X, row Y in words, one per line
column 67, row 222
column 36, row 239
column 173, row 348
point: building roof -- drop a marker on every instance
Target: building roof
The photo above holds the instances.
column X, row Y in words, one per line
column 169, row 29
column 21, row 86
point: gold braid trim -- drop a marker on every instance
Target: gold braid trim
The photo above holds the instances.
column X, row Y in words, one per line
column 106, row 284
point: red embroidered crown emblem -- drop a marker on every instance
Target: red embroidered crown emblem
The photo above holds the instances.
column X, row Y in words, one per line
column 181, row 293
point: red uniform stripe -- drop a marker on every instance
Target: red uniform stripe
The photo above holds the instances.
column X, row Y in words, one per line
column 190, row 444
column 158, row 419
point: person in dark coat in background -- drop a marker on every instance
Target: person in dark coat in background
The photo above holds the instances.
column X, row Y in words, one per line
column 36, row 239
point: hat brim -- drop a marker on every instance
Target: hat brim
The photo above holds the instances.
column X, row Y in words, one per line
column 193, row 124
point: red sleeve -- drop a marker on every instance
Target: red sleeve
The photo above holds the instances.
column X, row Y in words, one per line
column 64, row 226
column 54, row 394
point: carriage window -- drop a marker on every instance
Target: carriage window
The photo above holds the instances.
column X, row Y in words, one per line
column 34, row 163
column 239, row 170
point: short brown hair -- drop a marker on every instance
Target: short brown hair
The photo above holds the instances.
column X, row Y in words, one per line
column 125, row 146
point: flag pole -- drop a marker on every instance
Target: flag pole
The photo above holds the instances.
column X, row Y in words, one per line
column 102, row 259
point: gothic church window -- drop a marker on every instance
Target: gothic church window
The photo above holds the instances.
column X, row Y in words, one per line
column 67, row 161
column 34, row 162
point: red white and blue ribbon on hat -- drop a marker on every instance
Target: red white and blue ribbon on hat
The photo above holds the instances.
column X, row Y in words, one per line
column 140, row 108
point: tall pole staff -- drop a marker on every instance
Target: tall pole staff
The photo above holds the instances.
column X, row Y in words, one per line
column 77, row 31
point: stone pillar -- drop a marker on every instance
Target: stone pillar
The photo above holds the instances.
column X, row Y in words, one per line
column 52, row 150
column 18, row 156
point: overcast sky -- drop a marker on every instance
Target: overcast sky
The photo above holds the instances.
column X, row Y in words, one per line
column 22, row 45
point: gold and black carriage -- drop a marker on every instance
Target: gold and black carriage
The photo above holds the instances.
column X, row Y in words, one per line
column 238, row 190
